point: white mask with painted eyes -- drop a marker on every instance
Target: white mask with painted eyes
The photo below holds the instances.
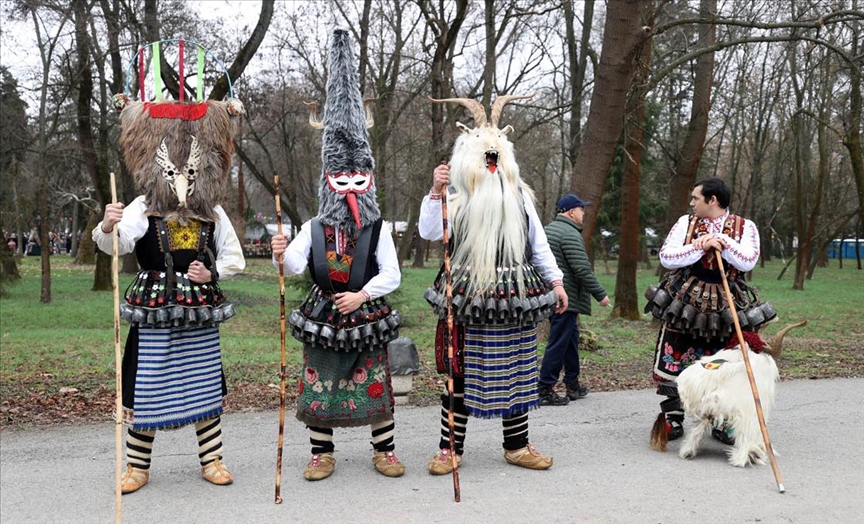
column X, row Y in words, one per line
column 182, row 182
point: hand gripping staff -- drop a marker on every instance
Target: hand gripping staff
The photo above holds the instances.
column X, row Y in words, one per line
column 450, row 350
column 118, row 402
column 276, row 190
column 745, row 352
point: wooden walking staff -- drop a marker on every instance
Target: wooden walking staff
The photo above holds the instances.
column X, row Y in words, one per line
column 276, row 190
column 745, row 352
column 450, row 350
column 118, row 359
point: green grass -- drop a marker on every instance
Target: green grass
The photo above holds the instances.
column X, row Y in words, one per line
column 70, row 341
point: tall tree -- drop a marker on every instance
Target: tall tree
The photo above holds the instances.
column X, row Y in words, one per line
column 623, row 35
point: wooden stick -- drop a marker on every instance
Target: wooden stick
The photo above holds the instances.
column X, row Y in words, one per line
column 276, row 190
column 451, row 422
column 745, row 352
column 118, row 368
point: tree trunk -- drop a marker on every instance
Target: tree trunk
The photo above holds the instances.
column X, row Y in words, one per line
column 623, row 35
column 852, row 140
column 626, row 301
column 690, row 154
column 87, row 248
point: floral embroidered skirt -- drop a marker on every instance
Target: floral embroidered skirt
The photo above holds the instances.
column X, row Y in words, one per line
column 344, row 389
column 677, row 350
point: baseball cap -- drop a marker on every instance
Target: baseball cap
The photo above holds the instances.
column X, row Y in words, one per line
column 570, row 201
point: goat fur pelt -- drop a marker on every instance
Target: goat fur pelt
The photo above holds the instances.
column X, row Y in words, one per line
column 716, row 391
column 140, row 138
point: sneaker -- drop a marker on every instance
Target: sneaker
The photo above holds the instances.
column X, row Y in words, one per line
column 387, row 464
column 724, row 435
column 133, row 479
column 576, row 391
column 674, row 429
column 217, row 473
column 442, row 462
column 320, row 466
column 527, row 457
column 548, row 397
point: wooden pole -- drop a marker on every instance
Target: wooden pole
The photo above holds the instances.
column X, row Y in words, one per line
column 118, row 368
column 457, row 495
column 745, row 352
column 278, row 500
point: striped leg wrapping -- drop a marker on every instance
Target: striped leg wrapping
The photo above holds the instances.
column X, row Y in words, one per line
column 460, row 417
column 321, row 440
column 382, row 435
column 139, row 448
column 209, row 433
column 516, row 432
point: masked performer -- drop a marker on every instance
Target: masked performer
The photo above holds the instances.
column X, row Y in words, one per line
column 345, row 322
column 180, row 155
column 505, row 280
column 690, row 300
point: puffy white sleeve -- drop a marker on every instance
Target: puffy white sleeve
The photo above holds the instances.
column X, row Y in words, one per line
column 296, row 256
column 389, row 276
column 543, row 259
column 674, row 254
column 229, row 253
column 130, row 229
column 429, row 224
column 743, row 255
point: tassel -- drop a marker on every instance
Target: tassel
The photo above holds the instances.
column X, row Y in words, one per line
column 658, row 434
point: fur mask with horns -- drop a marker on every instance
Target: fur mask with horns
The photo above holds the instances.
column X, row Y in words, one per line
column 346, row 193
column 487, row 201
column 179, row 154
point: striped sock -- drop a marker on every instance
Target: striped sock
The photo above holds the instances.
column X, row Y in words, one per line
column 382, row 435
column 516, row 432
column 139, row 448
column 460, row 417
column 321, row 440
column 209, row 433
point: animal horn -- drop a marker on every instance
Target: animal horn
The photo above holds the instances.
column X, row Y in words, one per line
column 500, row 102
column 776, row 345
column 472, row 105
column 370, row 121
column 313, row 115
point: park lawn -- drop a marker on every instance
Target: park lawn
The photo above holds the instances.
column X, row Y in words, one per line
column 69, row 343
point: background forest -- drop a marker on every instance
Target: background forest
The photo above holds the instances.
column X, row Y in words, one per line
column 634, row 101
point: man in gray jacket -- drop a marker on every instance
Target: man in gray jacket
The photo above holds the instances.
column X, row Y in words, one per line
column 565, row 238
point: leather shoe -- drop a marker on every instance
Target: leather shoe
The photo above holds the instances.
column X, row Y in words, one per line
column 133, row 479
column 548, row 397
column 320, row 467
column 387, row 464
column 441, row 463
column 528, row 457
column 576, row 391
column 217, row 473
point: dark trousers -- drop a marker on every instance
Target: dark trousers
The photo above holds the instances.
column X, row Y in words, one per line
column 562, row 351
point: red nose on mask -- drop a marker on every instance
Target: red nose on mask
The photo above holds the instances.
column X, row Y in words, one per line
column 351, row 199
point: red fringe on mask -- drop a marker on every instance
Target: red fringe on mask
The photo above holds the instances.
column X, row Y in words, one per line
column 176, row 111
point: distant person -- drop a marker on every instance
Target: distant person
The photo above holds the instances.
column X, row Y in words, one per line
column 691, row 300
column 34, row 243
column 562, row 351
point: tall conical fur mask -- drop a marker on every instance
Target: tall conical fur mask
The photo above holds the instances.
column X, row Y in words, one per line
column 347, row 192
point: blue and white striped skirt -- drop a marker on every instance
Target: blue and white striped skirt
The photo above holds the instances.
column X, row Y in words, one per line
column 500, row 370
column 179, row 377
